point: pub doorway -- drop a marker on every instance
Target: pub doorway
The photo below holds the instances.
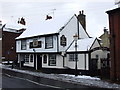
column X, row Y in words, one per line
column 39, row 62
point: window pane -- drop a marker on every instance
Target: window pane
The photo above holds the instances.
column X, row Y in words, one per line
column 26, row 59
column 23, row 44
column 31, row 45
column 31, row 58
column 45, row 59
column 49, row 42
column 73, row 57
column 52, row 60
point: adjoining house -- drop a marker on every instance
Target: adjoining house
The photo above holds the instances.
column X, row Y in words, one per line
column 105, row 38
column 114, row 25
column 9, row 32
column 89, row 53
column 105, row 43
column 50, row 47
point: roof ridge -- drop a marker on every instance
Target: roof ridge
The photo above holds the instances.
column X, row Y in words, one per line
column 65, row 24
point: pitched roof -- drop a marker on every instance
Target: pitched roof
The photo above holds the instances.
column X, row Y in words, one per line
column 12, row 27
column 44, row 27
column 82, row 44
column 113, row 9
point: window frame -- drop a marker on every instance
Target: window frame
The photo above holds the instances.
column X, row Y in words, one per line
column 45, row 59
column 32, row 58
column 23, row 44
column 53, row 59
column 73, row 57
column 26, row 58
column 46, row 43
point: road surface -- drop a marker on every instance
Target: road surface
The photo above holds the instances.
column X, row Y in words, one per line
column 16, row 82
column 9, row 81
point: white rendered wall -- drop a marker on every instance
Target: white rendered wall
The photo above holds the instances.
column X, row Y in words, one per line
column 59, row 62
column 80, row 63
column 70, row 30
column 42, row 49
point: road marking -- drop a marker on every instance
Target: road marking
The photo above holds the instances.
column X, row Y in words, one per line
column 33, row 81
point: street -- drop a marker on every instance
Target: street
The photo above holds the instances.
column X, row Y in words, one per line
column 16, row 82
column 13, row 82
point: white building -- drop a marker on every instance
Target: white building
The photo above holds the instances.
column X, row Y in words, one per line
column 51, row 47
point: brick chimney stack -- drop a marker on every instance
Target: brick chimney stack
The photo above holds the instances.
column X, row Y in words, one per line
column 22, row 21
column 82, row 19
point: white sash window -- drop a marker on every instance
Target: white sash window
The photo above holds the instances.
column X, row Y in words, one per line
column 52, row 60
column 49, row 42
column 23, row 44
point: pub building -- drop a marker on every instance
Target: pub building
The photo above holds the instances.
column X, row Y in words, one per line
column 51, row 47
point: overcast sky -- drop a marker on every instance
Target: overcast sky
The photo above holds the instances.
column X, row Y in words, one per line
column 34, row 10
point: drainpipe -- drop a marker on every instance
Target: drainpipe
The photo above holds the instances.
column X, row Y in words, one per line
column 63, row 55
column 85, row 61
column 19, row 60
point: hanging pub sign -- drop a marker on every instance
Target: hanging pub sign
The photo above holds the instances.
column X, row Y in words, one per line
column 63, row 41
column 35, row 44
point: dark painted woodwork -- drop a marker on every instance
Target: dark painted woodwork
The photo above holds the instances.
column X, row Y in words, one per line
column 114, row 24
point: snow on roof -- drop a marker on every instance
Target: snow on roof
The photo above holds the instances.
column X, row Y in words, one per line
column 42, row 27
column 82, row 44
column 114, row 7
column 14, row 26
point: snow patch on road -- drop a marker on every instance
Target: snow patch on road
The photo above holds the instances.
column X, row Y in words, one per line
column 80, row 79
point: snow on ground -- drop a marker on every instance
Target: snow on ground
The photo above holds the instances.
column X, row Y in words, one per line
column 80, row 79
column 5, row 62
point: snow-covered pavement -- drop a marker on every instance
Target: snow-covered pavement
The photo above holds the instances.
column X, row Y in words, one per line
column 80, row 79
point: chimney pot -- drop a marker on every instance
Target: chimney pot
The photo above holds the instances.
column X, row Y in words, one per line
column 82, row 19
column 82, row 11
column 105, row 30
column 22, row 21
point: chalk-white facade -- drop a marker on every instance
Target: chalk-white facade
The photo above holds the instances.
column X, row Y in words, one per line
column 56, row 50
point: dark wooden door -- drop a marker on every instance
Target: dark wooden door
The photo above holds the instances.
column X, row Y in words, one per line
column 39, row 62
column 94, row 66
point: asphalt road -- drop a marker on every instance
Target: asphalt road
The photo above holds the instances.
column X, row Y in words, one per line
column 13, row 82
column 16, row 82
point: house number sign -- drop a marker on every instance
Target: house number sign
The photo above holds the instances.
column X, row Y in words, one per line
column 63, row 40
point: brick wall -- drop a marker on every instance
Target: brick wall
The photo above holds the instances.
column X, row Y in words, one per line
column 9, row 45
column 114, row 23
